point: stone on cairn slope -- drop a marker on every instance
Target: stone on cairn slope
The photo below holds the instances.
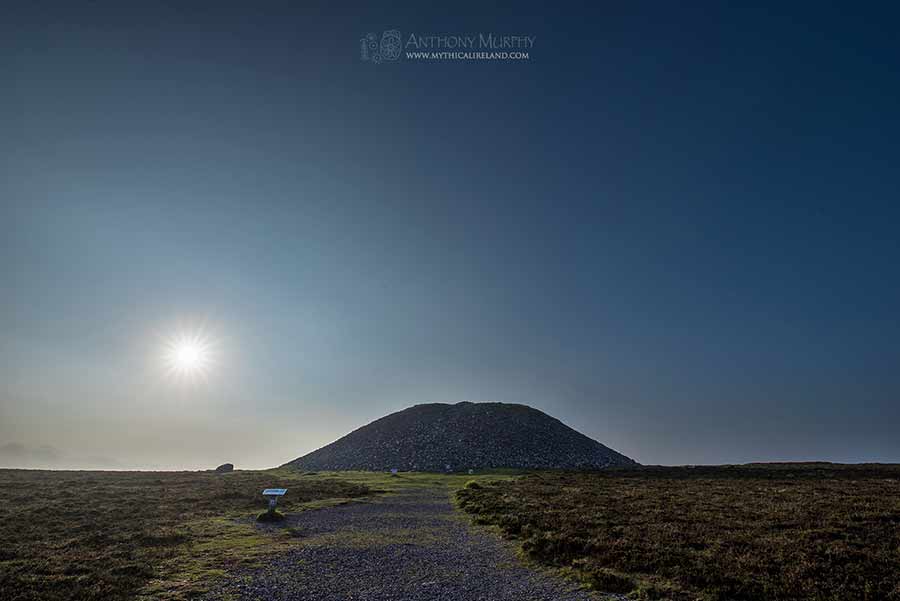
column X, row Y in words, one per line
column 431, row 437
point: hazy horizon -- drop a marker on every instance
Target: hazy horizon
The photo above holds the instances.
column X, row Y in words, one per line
column 228, row 238
column 258, row 456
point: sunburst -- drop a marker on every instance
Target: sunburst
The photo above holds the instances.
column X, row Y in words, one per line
column 189, row 356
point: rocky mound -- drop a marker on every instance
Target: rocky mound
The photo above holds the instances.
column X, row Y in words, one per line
column 439, row 437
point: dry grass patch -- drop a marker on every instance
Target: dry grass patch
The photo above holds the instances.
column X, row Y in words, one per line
column 759, row 532
column 121, row 535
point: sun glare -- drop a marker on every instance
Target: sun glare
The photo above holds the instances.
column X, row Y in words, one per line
column 188, row 356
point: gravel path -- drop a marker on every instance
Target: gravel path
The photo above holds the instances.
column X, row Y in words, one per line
column 411, row 546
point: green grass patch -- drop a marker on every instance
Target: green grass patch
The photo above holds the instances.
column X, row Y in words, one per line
column 270, row 517
column 385, row 482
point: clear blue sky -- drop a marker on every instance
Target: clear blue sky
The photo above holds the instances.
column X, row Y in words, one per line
column 674, row 228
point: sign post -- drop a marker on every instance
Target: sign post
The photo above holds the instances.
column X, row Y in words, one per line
column 272, row 494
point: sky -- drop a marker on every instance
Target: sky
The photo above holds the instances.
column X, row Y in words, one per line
column 675, row 228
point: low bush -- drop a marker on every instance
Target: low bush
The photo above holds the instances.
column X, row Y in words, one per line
column 789, row 532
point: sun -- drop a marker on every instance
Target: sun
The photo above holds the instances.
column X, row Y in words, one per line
column 188, row 356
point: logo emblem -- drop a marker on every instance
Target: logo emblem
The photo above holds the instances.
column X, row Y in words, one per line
column 387, row 49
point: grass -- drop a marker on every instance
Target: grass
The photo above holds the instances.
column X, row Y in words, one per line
column 270, row 516
column 161, row 535
column 386, row 484
column 773, row 532
column 155, row 535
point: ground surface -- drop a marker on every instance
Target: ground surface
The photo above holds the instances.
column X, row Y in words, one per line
column 774, row 532
column 110, row 536
column 411, row 545
column 766, row 532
